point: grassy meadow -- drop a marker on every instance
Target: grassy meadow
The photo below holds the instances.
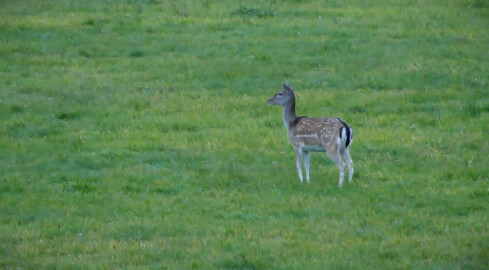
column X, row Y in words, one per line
column 136, row 134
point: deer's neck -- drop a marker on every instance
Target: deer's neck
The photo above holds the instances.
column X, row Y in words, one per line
column 289, row 112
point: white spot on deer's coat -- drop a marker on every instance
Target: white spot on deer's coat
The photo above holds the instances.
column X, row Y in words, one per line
column 307, row 136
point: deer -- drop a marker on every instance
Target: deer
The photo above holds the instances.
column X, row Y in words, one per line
column 311, row 134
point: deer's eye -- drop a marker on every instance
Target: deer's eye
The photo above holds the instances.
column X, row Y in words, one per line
column 279, row 94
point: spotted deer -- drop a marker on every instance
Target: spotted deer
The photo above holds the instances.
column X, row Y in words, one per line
column 309, row 134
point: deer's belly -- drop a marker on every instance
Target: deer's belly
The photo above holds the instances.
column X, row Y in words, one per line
column 313, row 148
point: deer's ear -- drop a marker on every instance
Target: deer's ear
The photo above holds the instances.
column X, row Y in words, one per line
column 288, row 87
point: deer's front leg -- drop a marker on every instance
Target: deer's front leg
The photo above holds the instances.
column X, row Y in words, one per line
column 307, row 162
column 298, row 162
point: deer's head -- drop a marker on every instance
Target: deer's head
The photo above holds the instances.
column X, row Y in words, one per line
column 283, row 97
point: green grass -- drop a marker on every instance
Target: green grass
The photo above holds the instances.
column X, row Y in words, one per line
column 136, row 134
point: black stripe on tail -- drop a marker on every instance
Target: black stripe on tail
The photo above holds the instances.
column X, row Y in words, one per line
column 349, row 136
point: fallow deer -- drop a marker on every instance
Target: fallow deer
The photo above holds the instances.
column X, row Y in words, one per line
column 309, row 134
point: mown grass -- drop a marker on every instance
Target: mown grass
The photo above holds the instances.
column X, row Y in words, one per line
column 136, row 134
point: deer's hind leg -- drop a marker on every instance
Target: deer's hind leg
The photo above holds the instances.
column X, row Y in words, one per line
column 345, row 154
column 335, row 156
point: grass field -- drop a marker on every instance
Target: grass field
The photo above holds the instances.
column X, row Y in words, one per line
column 136, row 134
